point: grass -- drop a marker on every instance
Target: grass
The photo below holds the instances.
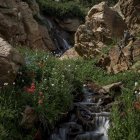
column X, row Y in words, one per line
column 58, row 81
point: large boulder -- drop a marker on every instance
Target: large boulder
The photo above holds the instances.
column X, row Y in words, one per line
column 10, row 62
column 102, row 26
column 130, row 10
column 18, row 26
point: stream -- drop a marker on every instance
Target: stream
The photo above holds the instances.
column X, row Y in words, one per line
column 88, row 120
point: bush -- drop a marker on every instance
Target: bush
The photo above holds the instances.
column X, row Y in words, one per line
column 62, row 9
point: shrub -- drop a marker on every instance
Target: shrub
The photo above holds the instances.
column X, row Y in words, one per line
column 62, row 9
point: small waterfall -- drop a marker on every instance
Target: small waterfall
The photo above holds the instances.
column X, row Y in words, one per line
column 55, row 33
column 66, row 45
column 88, row 122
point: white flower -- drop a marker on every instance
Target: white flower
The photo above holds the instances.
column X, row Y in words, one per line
column 136, row 84
column 52, row 85
column 5, row 84
column 136, row 92
column 22, row 80
column 68, row 65
column 13, row 83
column 84, row 85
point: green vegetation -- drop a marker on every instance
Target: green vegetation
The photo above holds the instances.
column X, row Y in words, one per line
column 62, row 9
column 125, row 118
column 49, row 84
column 68, row 8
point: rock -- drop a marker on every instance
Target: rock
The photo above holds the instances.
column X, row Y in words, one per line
column 18, row 26
column 29, row 118
column 93, row 87
column 10, row 62
column 69, row 24
column 115, row 87
column 102, row 25
column 130, row 10
column 34, row 7
column 70, row 54
column 115, row 63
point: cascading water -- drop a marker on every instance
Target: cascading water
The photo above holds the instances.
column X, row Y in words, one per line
column 89, row 121
column 60, row 41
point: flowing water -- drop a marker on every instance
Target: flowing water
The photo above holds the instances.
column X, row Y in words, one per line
column 55, row 32
column 88, row 121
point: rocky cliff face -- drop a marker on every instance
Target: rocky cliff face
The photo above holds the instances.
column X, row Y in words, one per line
column 22, row 24
column 130, row 10
column 18, row 26
column 101, row 27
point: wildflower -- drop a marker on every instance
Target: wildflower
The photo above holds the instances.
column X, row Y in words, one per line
column 68, row 65
column 13, row 83
column 84, row 85
column 33, row 85
column 5, row 84
column 30, row 89
column 136, row 84
column 52, row 85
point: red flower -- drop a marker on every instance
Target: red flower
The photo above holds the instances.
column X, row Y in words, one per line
column 30, row 89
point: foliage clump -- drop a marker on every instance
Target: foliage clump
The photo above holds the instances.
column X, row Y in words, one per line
column 62, row 9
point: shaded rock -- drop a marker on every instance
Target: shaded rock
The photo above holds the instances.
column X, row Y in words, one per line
column 70, row 54
column 130, row 10
column 33, row 6
column 10, row 62
column 69, row 24
column 97, row 89
column 29, row 118
column 113, row 86
column 120, row 60
column 101, row 26
column 18, row 26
